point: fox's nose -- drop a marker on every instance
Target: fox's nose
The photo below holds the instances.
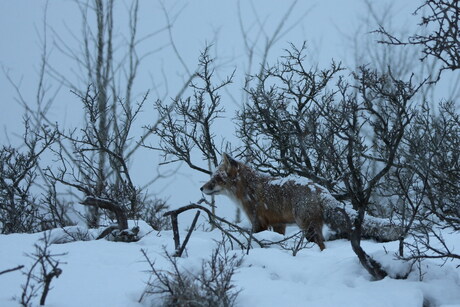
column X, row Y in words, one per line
column 201, row 189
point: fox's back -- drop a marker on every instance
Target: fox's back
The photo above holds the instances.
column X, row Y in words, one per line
column 285, row 200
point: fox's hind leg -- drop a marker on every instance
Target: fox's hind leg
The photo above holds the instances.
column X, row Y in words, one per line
column 314, row 233
column 319, row 238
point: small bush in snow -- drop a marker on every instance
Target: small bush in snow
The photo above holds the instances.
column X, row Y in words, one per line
column 39, row 275
column 211, row 286
column 70, row 234
column 152, row 214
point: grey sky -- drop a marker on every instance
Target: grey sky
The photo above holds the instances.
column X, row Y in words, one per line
column 329, row 27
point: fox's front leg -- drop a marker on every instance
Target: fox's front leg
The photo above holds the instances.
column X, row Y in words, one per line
column 258, row 225
column 279, row 228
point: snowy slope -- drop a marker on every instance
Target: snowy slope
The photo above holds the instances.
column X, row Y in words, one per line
column 103, row 273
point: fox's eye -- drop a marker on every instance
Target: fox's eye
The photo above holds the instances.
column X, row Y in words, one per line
column 218, row 178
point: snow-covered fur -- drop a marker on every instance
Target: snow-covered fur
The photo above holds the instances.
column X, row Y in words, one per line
column 275, row 202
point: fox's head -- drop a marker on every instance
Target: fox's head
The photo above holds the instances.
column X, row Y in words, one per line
column 223, row 178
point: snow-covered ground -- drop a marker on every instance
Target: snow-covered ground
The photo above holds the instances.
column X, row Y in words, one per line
column 104, row 273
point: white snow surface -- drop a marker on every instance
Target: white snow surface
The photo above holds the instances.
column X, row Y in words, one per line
column 104, row 273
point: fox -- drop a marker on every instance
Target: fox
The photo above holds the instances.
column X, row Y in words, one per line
column 271, row 202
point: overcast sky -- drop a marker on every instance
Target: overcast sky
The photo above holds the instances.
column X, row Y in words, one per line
column 331, row 29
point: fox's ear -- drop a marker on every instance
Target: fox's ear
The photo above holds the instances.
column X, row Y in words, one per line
column 225, row 158
column 229, row 161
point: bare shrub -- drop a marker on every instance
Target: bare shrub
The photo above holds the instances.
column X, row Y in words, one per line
column 20, row 209
column 211, row 286
column 442, row 42
column 426, row 190
column 320, row 125
column 152, row 212
column 44, row 268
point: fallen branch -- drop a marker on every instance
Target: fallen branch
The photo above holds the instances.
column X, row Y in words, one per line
column 108, row 205
column 214, row 221
column 106, row 232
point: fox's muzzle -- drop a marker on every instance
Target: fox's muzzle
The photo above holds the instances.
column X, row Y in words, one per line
column 210, row 188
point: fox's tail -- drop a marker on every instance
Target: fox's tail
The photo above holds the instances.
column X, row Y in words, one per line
column 340, row 219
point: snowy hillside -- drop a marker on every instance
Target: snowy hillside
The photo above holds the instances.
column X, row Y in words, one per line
column 104, row 273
